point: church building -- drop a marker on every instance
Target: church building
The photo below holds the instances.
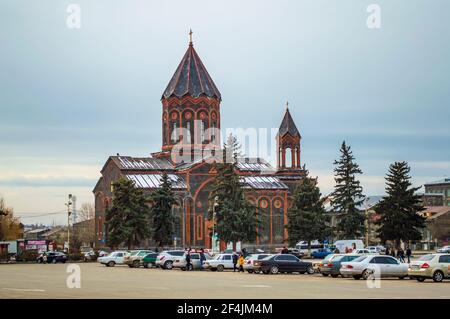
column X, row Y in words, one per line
column 190, row 128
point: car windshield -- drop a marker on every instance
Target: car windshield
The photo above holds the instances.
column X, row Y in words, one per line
column 329, row 257
column 426, row 258
column 134, row 253
column 359, row 259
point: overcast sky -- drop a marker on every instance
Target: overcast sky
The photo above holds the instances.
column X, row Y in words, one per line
column 69, row 98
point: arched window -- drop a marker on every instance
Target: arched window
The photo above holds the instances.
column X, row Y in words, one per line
column 277, row 221
column 174, row 134
column 288, row 157
column 264, row 221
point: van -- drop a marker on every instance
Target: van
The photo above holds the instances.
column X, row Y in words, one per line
column 349, row 244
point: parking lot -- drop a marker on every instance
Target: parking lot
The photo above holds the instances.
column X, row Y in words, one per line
column 97, row 281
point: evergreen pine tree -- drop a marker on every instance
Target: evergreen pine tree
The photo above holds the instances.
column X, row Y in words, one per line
column 400, row 220
column 162, row 218
column 307, row 219
column 347, row 195
column 235, row 217
column 127, row 218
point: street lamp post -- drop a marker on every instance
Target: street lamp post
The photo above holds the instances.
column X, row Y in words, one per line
column 214, row 224
column 68, row 204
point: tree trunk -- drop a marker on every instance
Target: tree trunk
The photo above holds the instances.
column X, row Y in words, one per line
column 309, row 247
column 234, row 246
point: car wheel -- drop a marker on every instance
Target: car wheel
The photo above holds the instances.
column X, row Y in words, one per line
column 84, row 259
column 438, row 276
column 111, row 264
column 54, row 261
column 274, row 270
column 325, row 275
column 190, row 268
column 145, row 265
column 356, row 277
column 220, row 268
column 420, row 279
column 213, row 269
column 130, row 265
column 310, row 270
column 250, row 271
column 168, row 265
column 136, row 264
column 402, row 277
column 63, row 261
column 334, row 276
column 366, row 274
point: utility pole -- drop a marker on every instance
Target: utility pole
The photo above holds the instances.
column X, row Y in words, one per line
column 68, row 204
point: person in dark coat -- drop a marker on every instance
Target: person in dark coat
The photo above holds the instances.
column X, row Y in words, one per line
column 387, row 252
column 235, row 261
column 408, row 254
column 401, row 255
column 202, row 258
column 188, row 260
column 285, row 250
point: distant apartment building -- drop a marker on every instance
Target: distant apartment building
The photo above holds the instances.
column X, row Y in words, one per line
column 437, row 193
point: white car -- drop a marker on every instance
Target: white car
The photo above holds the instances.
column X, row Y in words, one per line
column 181, row 263
column 220, row 262
column 114, row 258
column 249, row 261
column 166, row 259
column 444, row 250
column 376, row 249
column 363, row 252
column 377, row 265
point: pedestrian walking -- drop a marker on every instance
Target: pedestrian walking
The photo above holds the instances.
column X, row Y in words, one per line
column 188, row 260
column 241, row 263
column 235, row 261
column 401, row 255
column 202, row 258
column 408, row 254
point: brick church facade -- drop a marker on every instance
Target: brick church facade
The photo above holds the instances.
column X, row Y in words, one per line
column 190, row 147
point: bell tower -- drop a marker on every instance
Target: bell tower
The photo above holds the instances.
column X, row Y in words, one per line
column 191, row 107
column 288, row 145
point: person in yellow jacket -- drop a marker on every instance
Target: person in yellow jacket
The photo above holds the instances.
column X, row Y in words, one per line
column 241, row 263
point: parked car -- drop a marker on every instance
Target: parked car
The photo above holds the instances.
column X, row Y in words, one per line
column 321, row 253
column 283, row 263
column 89, row 255
column 444, row 250
column 166, row 258
column 195, row 261
column 250, row 260
column 366, row 265
column 220, row 262
column 362, row 252
column 114, row 258
column 373, row 249
column 52, row 257
column 149, row 260
column 134, row 259
column 331, row 265
column 434, row 266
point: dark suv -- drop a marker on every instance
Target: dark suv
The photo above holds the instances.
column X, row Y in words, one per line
column 52, row 257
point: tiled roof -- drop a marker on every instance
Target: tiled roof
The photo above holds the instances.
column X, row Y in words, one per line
column 288, row 125
column 142, row 163
column 263, row 182
column 154, row 180
column 442, row 181
column 191, row 78
column 253, row 165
